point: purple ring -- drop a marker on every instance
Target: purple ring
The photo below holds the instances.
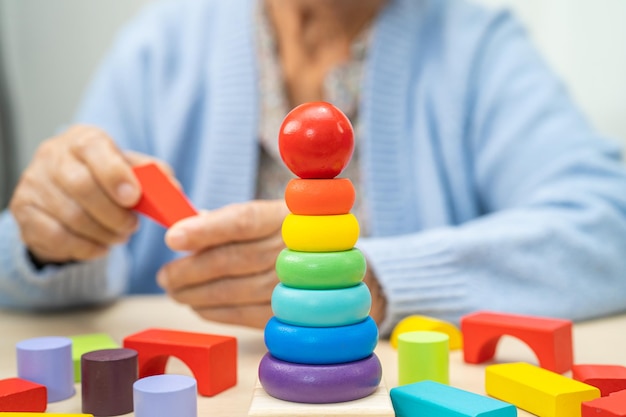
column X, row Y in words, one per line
column 319, row 384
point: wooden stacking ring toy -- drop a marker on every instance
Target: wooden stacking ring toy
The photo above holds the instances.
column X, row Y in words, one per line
column 321, row 345
column 315, row 308
column 320, row 233
column 320, row 270
column 320, row 197
column 316, row 384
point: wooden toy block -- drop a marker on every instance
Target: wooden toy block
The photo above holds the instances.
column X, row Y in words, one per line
column 416, row 322
column 211, row 358
column 21, row 395
column 550, row 339
column 432, row 399
column 43, row 414
column 613, row 405
column 165, row 396
column 160, row 199
column 422, row 356
column 607, row 378
column 377, row 404
column 85, row 343
column 108, row 376
column 48, row 361
column 538, row 390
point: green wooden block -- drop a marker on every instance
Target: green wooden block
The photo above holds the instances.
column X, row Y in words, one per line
column 85, row 343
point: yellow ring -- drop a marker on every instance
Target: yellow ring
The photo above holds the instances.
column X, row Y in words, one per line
column 320, row 233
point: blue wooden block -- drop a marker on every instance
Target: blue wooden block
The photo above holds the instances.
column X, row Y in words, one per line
column 432, row 399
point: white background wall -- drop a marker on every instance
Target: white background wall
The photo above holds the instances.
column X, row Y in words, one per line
column 51, row 48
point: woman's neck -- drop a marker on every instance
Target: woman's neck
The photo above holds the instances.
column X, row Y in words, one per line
column 313, row 36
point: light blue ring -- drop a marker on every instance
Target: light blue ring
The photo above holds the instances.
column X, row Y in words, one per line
column 321, row 308
column 321, row 345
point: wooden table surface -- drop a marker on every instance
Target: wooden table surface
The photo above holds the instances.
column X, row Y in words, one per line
column 598, row 341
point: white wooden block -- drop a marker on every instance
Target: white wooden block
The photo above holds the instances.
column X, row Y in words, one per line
column 376, row 405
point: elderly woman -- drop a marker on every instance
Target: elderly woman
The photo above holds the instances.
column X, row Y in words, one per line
column 480, row 184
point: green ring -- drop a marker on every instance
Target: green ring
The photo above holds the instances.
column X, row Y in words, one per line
column 320, row 270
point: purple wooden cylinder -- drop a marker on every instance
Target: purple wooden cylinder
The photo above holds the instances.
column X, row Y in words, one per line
column 107, row 378
column 48, row 361
column 166, row 395
column 319, row 384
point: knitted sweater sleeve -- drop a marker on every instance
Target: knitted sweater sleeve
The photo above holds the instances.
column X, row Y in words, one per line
column 552, row 237
column 115, row 102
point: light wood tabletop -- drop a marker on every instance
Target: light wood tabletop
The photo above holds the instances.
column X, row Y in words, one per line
column 601, row 341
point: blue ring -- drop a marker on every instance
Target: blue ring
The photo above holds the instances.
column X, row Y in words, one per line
column 321, row 308
column 321, row 345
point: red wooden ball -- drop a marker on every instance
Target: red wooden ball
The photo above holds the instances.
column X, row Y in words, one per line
column 316, row 140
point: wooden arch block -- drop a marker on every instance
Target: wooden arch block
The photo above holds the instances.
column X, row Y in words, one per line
column 607, row 378
column 415, row 323
column 550, row 339
column 18, row 394
column 211, row 358
column 612, row 406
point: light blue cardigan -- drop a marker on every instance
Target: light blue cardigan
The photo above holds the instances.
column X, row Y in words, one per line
column 487, row 188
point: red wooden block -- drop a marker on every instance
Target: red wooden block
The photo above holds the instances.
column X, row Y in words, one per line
column 20, row 395
column 211, row 358
column 550, row 339
column 612, row 406
column 607, row 378
column 161, row 200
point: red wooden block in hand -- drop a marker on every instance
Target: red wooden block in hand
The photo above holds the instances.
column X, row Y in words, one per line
column 211, row 358
column 612, row 406
column 607, row 378
column 20, row 395
column 550, row 339
column 160, row 199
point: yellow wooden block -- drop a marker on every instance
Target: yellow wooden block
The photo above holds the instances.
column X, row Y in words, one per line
column 42, row 414
column 376, row 405
column 320, row 233
column 537, row 390
column 425, row 323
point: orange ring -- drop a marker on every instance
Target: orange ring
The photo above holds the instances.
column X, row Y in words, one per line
column 320, row 197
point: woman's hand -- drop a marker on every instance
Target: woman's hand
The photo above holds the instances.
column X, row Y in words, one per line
column 229, row 274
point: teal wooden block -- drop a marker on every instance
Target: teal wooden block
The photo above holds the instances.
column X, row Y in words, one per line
column 85, row 343
column 432, row 399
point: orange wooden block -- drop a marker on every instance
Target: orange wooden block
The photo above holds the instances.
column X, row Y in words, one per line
column 550, row 339
column 320, row 197
column 161, row 200
column 18, row 395
column 211, row 358
column 612, row 406
column 607, row 378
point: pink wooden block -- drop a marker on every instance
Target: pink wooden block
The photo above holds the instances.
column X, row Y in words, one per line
column 20, row 395
column 550, row 339
column 612, row 406
column 607, row 378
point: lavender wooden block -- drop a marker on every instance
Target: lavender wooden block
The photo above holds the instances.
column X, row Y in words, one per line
column 166, row 396
column 48, row 361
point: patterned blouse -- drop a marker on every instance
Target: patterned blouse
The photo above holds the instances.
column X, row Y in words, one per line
column 341, row 88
